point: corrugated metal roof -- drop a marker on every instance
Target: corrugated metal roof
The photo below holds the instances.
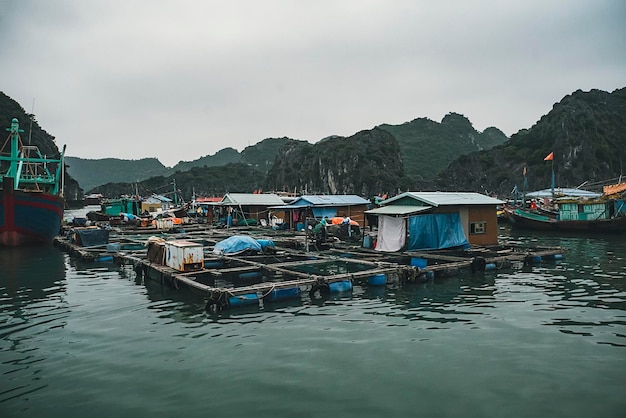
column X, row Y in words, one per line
column 447, row 198
column 563, row 192
column 251, row 199
column 329, row 200
column 397, row 210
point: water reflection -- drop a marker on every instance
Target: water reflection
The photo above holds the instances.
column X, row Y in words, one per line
column 32, row 289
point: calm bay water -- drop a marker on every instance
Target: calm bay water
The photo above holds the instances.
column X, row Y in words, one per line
column 82, row 339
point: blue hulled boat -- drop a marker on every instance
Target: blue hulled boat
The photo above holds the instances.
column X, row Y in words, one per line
column 31, row 198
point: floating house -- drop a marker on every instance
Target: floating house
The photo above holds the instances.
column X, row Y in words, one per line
column 321, row 206
column 156, row 203
column 436, row 220
column 113, row 207
column 248, row 208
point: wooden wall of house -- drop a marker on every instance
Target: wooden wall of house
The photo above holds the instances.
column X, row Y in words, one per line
column 475, row 214
column 488, row 215
column 356, row 213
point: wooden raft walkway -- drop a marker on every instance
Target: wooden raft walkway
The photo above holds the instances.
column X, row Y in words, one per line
column 232, row 280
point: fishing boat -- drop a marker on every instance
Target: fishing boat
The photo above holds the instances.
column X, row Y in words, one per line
column 603, row 215
column 31, row 199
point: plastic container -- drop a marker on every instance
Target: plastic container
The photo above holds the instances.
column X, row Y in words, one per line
column 490, row 266
column 418, row 262
column 367, row 241
column 299, row 226
column 282, row 294
column 243, row 300
column 342, row 286
column 377, row 280
column 229, row 220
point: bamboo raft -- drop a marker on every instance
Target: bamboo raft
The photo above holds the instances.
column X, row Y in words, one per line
column 244, row 279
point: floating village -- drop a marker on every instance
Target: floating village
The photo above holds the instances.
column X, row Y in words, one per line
column 254, row 248
column 251, row 249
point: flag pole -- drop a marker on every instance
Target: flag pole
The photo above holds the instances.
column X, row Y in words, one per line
column 552, row 178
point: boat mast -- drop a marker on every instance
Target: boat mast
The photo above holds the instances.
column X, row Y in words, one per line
column 15, row 143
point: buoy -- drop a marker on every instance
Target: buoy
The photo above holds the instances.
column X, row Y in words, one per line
column 342, row 286
column 490, row 266
column 377, row 280
column 243, row 300
column 319, row 291
column 478, row 264
column 281, row 294
column 418, row 262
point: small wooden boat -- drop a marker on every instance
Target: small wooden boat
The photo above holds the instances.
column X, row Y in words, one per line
column 532, row 220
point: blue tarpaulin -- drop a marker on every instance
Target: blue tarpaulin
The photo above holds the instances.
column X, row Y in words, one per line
column 237, row 244
column 89, row 237
column 325, row 212
column 436, row 231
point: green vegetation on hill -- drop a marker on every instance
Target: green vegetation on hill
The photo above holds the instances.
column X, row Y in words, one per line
column 203, row 181
column 427, row 147
column 222, row 157
column 585, row 130
column 367, row 163
column 91, row 172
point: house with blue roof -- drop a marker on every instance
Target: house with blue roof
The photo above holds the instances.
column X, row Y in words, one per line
column 324, row 206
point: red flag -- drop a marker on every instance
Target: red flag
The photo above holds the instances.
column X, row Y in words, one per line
column 550, row 157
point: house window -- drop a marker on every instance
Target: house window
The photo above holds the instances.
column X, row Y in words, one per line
column 478, row 227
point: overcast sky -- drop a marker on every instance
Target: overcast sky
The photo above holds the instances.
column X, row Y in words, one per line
column 179, row 80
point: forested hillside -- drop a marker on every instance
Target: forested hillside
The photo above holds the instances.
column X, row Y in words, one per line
column 427, row 147
column 367, row 163
column 92, row 173
column 585, row 130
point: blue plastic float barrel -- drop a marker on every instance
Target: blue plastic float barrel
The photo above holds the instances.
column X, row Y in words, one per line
column 490, row 266
column 367, row 242
column 282, row 294
column 377, row 280
column 243, row 300
column 342, row 286
column 213, row 264
column 418, row 262
column 430, row 275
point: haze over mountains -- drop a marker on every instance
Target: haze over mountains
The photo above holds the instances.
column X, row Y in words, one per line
column 585, row 130
column 425, row 148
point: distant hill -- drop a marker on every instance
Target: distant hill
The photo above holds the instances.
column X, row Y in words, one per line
column 367, row 163
column 585, row 130
column 427, row 147
column 92, row 173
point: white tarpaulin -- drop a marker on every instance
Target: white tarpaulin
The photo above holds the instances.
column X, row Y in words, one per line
column 391, row 233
